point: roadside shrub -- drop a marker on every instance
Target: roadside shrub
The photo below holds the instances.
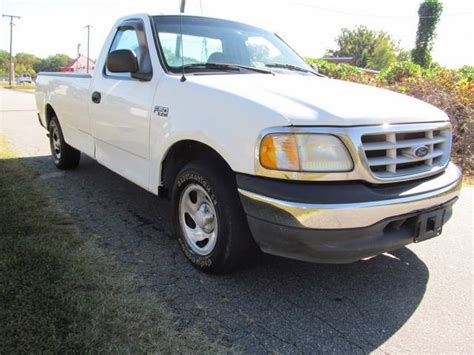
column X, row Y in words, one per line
column 450, row 90
column 401, row 71
column 467, row 72
column 454, row 94
column 337, row 71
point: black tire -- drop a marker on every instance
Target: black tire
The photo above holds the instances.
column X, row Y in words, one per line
column 65, row 157
column 234, row 245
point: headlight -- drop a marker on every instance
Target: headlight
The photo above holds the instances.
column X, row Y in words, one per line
column 304, row 153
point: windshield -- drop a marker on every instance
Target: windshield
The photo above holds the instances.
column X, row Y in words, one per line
column 207, row 40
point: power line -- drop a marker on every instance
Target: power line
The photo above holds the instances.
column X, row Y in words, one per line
column 11, row 73
column 342, row 12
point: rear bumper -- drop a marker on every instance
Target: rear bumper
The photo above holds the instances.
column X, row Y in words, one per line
column 341, row 222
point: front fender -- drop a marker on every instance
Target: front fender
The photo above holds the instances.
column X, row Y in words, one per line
column 227, row 123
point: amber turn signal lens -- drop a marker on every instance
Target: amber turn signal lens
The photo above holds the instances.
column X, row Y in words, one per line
column 304, row 153
column 279, row 152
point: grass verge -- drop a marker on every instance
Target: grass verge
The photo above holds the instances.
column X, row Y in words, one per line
column 60, row 292
column 24, row 86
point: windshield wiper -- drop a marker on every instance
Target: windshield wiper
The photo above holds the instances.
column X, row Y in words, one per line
column 290, row 67
column 223, row 66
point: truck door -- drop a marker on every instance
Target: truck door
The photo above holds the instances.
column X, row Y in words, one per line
column 120, row 107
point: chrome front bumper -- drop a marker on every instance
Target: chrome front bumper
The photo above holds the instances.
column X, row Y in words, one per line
column 342, row 222
column 429, row 194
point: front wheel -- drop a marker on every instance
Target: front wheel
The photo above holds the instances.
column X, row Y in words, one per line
column 210, row 223
column 65, row 157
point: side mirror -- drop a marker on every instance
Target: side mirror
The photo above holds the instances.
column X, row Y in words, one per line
column 315, row 67
column 122, row 61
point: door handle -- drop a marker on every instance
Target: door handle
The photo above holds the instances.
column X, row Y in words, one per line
column 96, row 97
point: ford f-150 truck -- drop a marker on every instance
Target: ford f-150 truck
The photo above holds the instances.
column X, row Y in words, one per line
column 253, row 147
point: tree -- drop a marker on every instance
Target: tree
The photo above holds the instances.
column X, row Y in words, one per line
column 52, row 63
column 429, row 14
column 31, row 64
column 4, row 62
column 383, row 55
column 404, row 56
column 24, row 63
column 361, row 44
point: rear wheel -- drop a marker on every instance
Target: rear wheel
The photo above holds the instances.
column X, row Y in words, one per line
column 65, row 157
column 210, row 223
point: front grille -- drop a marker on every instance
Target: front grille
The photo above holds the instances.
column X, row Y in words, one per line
column 400, row 153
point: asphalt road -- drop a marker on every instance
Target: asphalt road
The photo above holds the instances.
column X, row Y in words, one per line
column 418, row 299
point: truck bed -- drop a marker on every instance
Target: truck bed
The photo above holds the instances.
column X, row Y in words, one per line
column 68, row 93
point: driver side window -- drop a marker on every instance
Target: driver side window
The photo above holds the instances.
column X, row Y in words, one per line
column 133, row 39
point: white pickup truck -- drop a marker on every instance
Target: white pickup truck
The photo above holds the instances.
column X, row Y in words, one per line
column 254, row 148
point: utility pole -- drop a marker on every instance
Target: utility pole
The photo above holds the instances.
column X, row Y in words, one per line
column 88, row 41
column 10, row 69
column 182, row 7
column 78, row 55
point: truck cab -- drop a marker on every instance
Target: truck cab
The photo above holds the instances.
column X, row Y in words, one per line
column 255, row 149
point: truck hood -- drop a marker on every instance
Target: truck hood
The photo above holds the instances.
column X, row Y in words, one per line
column 309, row 100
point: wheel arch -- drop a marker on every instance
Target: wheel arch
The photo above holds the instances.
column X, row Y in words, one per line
column 181, row 153
column 49, row 114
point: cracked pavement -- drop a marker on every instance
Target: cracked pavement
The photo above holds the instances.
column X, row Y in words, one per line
column 417, row 299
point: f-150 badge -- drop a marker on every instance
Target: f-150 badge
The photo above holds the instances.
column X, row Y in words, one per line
column 161, row 111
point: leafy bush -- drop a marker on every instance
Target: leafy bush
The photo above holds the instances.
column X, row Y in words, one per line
column 450, row 90
column 454, row 94
column 467, row 72
column 337, row 71
column 401, row 71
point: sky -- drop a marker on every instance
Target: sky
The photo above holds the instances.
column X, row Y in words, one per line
column 310, row 26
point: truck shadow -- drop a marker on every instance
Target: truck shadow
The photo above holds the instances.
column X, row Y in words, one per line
column 275, row 304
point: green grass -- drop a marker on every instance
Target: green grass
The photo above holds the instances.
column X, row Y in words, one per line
column 61, row 292
column 24, row 86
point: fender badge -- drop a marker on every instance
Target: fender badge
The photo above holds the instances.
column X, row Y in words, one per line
column 161, row 111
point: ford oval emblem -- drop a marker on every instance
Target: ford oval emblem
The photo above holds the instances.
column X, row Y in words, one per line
column 422, row 151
